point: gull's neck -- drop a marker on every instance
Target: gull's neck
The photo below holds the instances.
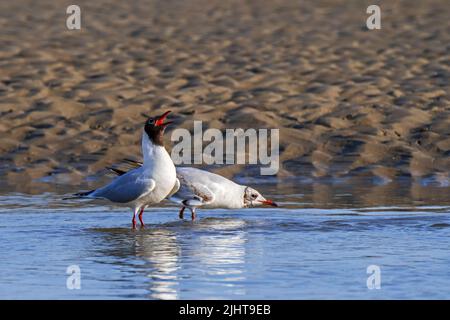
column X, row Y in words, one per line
column 150, row 151
column 235, row 196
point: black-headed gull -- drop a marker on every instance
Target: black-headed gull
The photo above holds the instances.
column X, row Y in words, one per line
column 200, row 188
column 153, row 181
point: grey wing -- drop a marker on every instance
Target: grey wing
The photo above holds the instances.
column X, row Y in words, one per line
column 192, row 194
column 200, row 176
column 126, row 188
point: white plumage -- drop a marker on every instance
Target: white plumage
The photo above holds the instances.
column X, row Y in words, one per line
column 152, row 182
column 203, row 189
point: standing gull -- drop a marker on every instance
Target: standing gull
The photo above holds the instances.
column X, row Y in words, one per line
column 150, row 183
column 203, row 189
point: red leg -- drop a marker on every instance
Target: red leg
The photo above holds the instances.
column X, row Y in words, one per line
column 181, row 214
column 140, row 217
column 193, row 214
column 133, row 221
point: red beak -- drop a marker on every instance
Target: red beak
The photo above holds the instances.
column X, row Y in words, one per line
column 160, row 120
column 269, row 203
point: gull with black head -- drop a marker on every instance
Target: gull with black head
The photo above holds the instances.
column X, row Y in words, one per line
column 148, row 184
column 197, row 188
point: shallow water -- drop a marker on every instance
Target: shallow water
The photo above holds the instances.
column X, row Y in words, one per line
column 318, row 244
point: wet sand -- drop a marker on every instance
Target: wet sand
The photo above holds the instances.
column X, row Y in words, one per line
column 348, row 102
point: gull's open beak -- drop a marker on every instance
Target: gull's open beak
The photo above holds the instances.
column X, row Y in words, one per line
column 269, row 203
column 160, row 120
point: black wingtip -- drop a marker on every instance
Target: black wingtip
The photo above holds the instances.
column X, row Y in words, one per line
column 79, row 195
column 133, row 162
column 116, row 171
column 84, row 194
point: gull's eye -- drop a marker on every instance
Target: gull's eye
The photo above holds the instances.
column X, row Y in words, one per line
column 254, row 196
column 151, row 121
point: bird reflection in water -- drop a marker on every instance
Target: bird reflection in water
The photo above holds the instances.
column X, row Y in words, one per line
column 184, row 256
column 160, row 249
column 220, row 250
column 153, row 253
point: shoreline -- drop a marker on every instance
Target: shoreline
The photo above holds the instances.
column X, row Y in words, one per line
column 347, row 101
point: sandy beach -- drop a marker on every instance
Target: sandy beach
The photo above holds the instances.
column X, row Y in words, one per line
column 364, row 140
column 348, row 101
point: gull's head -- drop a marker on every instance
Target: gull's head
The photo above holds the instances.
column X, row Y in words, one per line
column 253, row 198
column 155, row 126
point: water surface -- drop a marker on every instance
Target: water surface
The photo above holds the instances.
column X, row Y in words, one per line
column 317, row 245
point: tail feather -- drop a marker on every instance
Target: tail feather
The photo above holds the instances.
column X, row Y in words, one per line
column 79, row 195
column 133, row 162
column 84, row 194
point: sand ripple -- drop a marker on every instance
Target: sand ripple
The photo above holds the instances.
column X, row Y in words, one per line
column 348, row 101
